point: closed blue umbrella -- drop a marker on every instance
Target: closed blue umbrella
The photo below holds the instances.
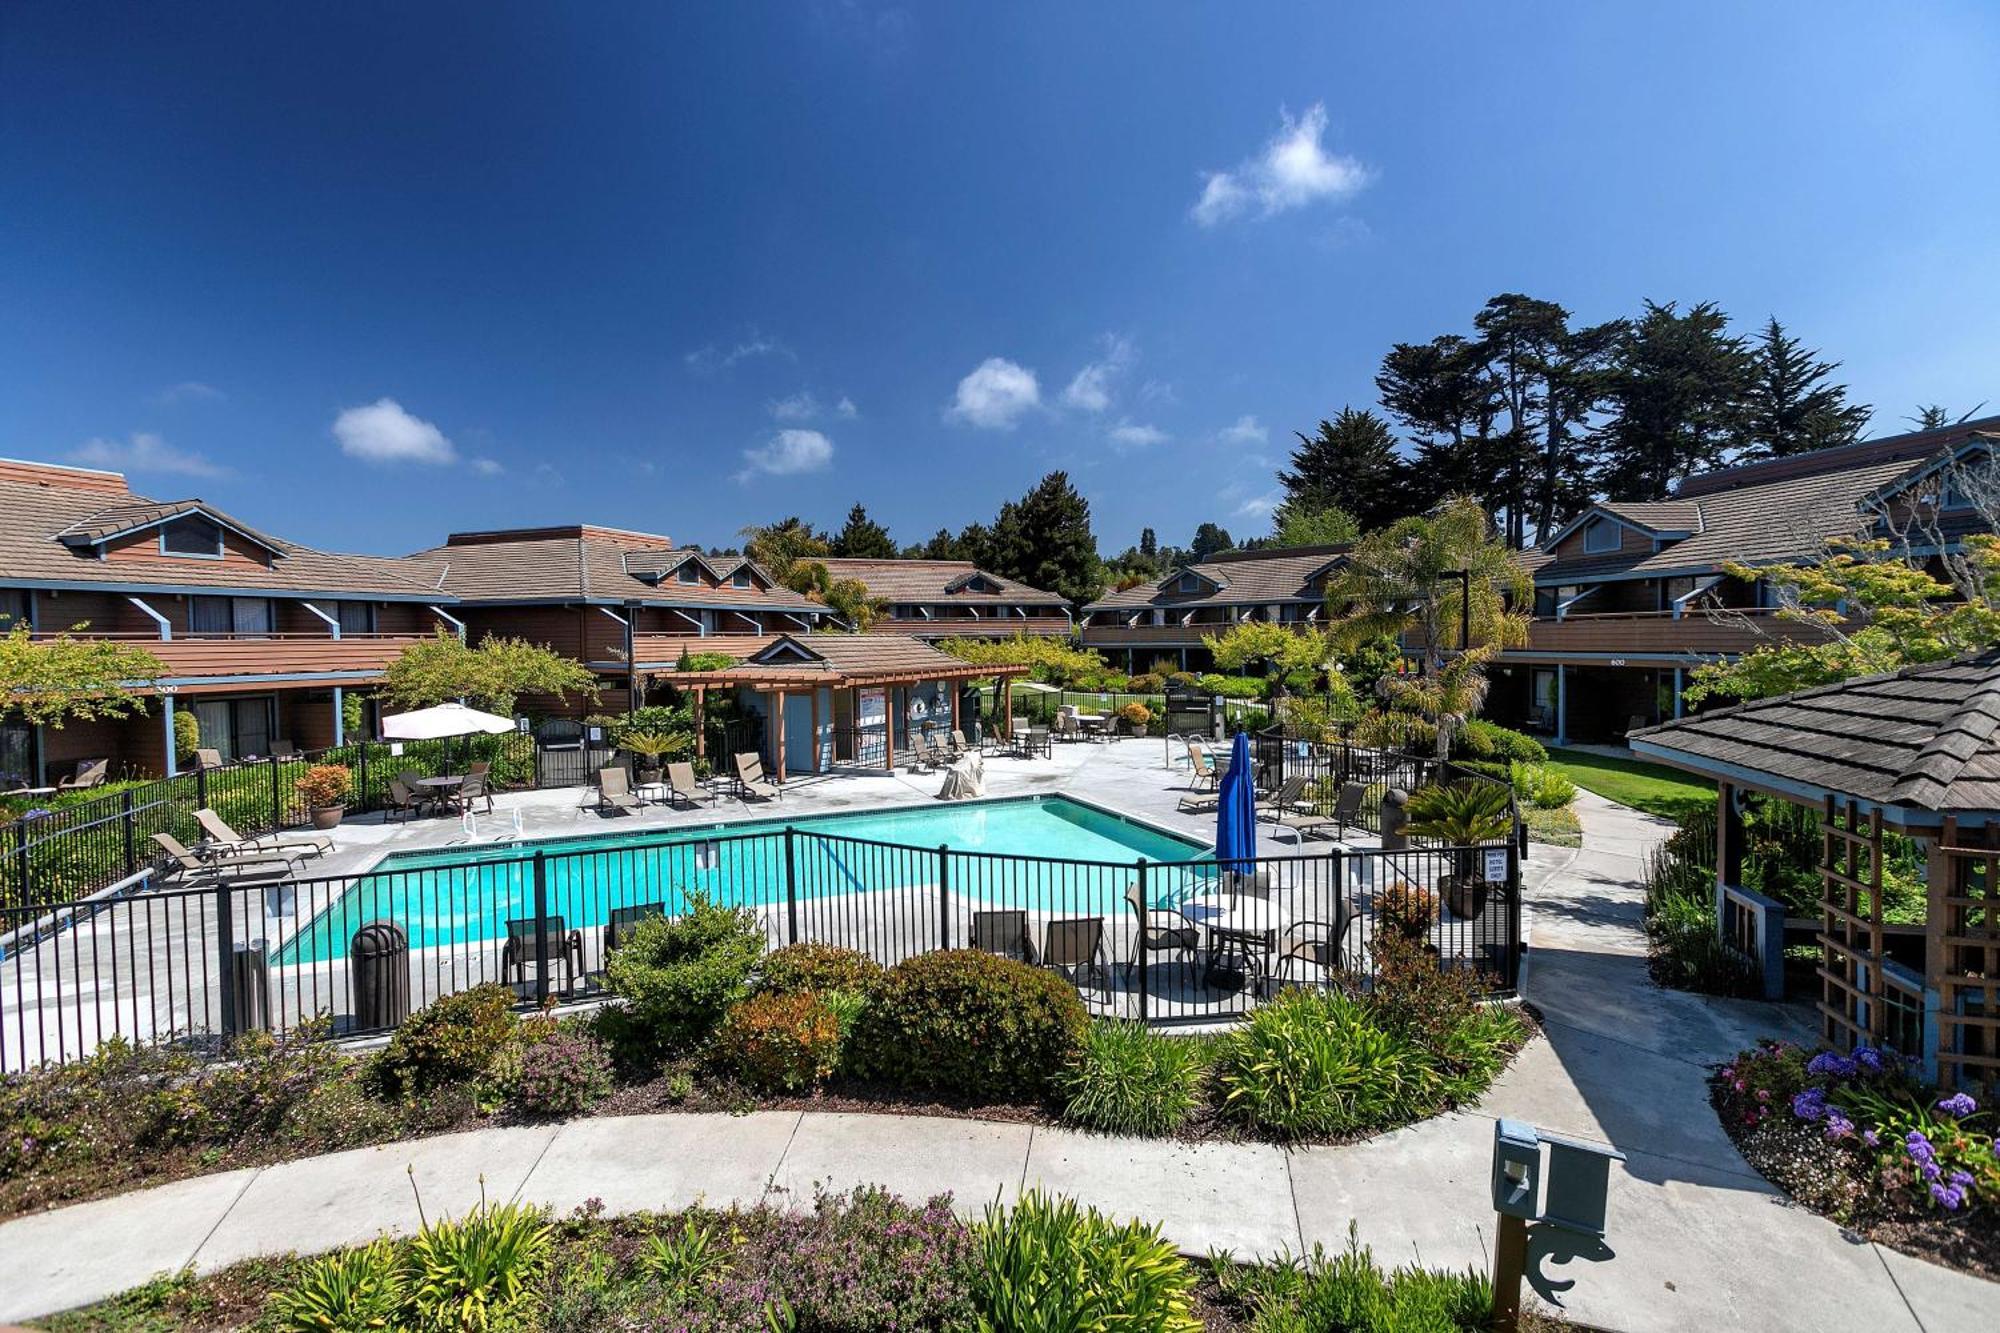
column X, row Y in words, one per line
column 1236, row 812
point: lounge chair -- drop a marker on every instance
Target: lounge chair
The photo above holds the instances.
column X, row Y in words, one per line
column 207, row 758
column 1346, row 808
column 232, row 870
column 89, row 773
column 959, row 745
column 284, row 750
column 624, row 920
column 1204, row 792
column 227, row 838
column 1073, row 944
column 750, row 779
column 1285, row 800
column 518, row 954
column 682, row 784
column 1004, row 933
column 614, row 789
column 917, row 754
column 1314, row 944
column 1160, row 931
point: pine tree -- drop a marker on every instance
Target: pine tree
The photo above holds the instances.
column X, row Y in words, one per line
column 1351, row 464
column 1676, row 399
column 1044, row 540
column 862, row 538
column 1793, row 407
column 1149, row 545
column 1442, row 393
column 1210, row 538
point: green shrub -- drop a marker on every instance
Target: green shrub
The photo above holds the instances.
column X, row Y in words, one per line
column 454, row 1039
column 819, row 967
column 1539, row 785
column 1230, row 687
column 1407, row 910
column 679, row 976
column 1128, row 1079
column 562, row 1069
column 1479, row 739
column 472, row 1273
column 685, row 1261
column 348, row 1289
column 971, row 1023
column 1688, row 951
column 1048, row 1266
column 1349, row 1293
column 1311, row 1064
column 1461, row 814
column 780, row 1041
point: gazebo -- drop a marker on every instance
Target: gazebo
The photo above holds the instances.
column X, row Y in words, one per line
column 1916, row 751
column 847, row 699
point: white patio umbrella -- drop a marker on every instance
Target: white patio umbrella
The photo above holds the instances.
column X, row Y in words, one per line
column 431, row 724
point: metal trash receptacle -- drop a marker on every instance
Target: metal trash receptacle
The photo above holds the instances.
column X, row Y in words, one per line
column 250, row 977
column 379, row 963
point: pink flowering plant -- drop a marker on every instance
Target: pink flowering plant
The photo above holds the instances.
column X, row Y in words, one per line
column 1921, row 1148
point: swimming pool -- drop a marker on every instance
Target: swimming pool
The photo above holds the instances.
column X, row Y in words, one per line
column 457, row 895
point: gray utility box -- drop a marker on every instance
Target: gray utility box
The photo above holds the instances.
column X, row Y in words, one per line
column 1544, row 1177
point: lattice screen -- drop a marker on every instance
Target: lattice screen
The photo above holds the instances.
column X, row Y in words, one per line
column 1851, row 945
column 1964, row 954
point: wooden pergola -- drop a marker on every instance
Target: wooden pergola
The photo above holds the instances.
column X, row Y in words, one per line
column 1916, row 751
column 845, row 664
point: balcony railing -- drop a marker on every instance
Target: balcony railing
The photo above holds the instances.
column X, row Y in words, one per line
column 953, row 626
column 220, row 655
column 1123, row 636
column 1694, row 633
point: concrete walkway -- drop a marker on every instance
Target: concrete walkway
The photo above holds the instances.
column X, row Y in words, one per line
column 1700, row 1241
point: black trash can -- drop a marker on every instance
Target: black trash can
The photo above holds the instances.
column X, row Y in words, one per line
column 250, row 976
column 379, row 962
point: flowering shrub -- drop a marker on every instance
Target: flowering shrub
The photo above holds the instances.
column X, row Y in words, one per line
column 561, row 1069
column 1409, row 910
column 1877, row 1121
column 781, row 1042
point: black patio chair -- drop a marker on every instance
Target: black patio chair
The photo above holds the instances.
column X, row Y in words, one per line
column 1004, row 933
column 518, row 954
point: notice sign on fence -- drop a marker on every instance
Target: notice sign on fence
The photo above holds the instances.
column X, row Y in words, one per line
column 1496, row 865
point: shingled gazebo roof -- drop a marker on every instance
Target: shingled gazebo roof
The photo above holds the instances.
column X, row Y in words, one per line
column 1918, row 743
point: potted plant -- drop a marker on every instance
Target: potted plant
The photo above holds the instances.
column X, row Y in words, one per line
column 323, row 791
column 1137, row 716
column 1466, row 816
column 649, row 746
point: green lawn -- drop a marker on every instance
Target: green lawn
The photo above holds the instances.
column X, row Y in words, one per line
column 1654, row 788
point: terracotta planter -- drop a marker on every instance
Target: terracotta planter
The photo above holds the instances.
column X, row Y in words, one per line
column 325, row 817
column 648, row 776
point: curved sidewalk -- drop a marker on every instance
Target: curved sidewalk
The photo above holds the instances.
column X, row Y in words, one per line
column 1700, row 1240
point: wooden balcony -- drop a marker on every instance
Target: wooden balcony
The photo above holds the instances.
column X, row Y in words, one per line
column 1657, row 633
column 201, row 657
column 659, row 651
column 1163, row 636
column 996, row 627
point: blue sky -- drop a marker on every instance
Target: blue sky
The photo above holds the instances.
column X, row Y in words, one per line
column 366, row 273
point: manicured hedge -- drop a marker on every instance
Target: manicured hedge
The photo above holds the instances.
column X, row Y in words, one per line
column 971, row 1023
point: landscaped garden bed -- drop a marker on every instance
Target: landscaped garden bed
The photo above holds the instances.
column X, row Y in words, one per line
column 1859, row 1139
column 704, row 1019
column 850, row 1263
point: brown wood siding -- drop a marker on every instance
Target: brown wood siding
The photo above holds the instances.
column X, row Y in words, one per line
column 141, row 550
column 1629, row 540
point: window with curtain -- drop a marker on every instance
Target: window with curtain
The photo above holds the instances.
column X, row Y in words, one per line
column 14, row 609
column 355, row 617
column 250, row 615
column 237, row 728
column 210, row 615
column 17, row 755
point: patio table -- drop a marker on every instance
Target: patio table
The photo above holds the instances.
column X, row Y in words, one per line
column 1237, row 928
column 443, row 788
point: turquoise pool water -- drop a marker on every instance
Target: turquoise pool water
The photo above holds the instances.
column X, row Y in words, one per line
column 459, row 895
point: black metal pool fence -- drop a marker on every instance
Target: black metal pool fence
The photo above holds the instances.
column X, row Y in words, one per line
column 368, row 949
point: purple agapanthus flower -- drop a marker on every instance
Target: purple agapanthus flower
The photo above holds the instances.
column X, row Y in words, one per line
column 1838, row 1126
column 1958, row 1106
column 1809, row 1105
column 1948, row 1197
column 1871, row 1138
column 1828, row 1063
column 1869, row 1059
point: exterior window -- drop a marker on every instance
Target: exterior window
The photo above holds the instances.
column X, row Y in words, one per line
column 192, row 536
column 229, row 615
column 13, row 609
column 355, row 617
column 1189, row 583
column 688, row 573
column 1601, row 535
column 238, row 728
column 740, row 579
column 17, row 754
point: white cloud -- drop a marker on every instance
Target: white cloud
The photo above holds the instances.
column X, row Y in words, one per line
column 144, row 452
column 189, row 391
column 1246, row 431
column 1091, row 389
column 1158, row 391
column 1294, row 170
column 801, row 406
column 786, row 453
column 996, row 394
column 487, row 467
column 1258, row 506
column 846, row 408
column 1132, row 435
column 707, row 360
column 382, row 432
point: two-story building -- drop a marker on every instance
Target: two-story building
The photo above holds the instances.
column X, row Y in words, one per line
column 260, row 637
column 626, row 604
column 1170, row 617
column 1629, row 598
column 941, row 599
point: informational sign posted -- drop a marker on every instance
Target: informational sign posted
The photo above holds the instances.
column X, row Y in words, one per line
column 872, row 709
column 1496, row 865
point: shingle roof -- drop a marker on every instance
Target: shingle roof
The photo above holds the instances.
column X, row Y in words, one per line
column 36, row 516
column 1658, row 515
column 1237, row 578
column 934, row 580
column 810, row 658
column 1925, row 738
column 584, row 569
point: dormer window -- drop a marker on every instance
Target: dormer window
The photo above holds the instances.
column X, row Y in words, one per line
column 740, row 579
column 688, row 574
column 192, row 537
column 1601, row 535
column 1189, row 583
